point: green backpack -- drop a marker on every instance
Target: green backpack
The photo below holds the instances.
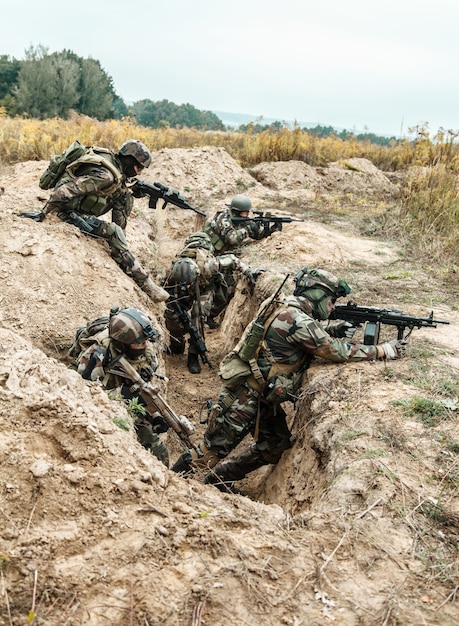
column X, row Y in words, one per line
column 59, row 163
column 84, row 334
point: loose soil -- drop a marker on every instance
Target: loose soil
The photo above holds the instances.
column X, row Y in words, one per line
column 356, row 525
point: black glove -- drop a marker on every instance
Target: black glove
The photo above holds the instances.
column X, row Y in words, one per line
column 36, row 216
column 256, row 273
column 256, row 230
column 275, row 227
column 136, row 191
column 158, row 424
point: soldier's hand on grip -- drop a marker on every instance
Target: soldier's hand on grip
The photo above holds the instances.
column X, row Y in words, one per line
column 395, row 349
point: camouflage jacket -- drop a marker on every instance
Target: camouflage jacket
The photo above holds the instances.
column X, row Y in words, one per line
column 294, row 338
column 228, row 236
column 198, row 301
column 93, row 190
column 92, row 363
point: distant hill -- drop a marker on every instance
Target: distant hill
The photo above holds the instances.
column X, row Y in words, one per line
column 236, row 119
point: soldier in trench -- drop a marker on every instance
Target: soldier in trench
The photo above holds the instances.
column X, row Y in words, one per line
column 251, row 395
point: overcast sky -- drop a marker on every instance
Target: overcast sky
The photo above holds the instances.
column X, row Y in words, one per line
column 384, row 66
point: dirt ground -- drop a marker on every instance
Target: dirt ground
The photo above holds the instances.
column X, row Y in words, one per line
column 356, row 525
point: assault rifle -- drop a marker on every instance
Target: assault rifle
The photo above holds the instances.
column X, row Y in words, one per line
column 373, row 317
column 154, row 402
column 192, row 330
column 156, row 191
column 266, row 219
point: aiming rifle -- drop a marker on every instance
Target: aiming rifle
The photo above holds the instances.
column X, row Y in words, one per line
column 154, row 402
column 192, row 330
column 266, row 219
column 373, row 317
column 168, row 195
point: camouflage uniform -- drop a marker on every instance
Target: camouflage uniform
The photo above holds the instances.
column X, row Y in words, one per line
column 88, row 190
column 192, row 282
column 92, row 364
column 227, row 236
column 293, row 339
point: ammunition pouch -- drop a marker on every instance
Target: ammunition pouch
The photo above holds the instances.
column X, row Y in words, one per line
column 234, row 371
column 93, row 205
column 250, row 340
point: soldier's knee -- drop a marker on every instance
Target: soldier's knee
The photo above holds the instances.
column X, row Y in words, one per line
column 116, row 237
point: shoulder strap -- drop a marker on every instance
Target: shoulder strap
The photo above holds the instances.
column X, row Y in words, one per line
column 94, row 156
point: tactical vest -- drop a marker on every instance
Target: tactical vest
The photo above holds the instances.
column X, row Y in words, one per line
column 102, row 158
column 253, row 340
column 209, row 228
column 205, row 260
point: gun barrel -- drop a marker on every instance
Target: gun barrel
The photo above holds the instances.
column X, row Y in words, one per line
column 351, row 312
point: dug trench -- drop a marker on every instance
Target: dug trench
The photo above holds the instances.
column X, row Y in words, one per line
column 357, row 523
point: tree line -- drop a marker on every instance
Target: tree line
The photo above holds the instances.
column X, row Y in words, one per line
column 46, row 85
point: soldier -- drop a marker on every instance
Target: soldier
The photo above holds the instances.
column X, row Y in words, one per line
column 225, row 236
column 252, row 393
column 95, row 184
column 129, row 333
column 192, row 281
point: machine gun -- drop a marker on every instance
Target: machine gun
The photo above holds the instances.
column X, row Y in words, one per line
column 154, row 402
column 156, row 191
column 192, row 330
column 373, row 317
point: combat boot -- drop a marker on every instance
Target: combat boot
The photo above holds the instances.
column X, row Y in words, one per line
column 183, row 465
column 193, row 363
column 229, row 470
column 211, row 323
column 154, row 291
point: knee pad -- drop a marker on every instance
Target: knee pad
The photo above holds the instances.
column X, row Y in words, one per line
column 116, row 237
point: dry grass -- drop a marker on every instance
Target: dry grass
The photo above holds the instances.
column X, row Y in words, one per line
column 426, row 218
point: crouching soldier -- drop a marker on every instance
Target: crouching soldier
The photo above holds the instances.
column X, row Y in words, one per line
column 127, row 333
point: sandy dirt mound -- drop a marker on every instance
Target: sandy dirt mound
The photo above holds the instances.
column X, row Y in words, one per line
column 346, row 529
column 352, row 176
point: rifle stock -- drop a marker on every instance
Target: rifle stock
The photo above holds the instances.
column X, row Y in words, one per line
column 373, row 317
column 168, row 195
column 156, row 403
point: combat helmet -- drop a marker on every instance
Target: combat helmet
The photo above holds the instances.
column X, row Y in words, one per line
column 199, row 239
column 184, row 274
column 137, row 150
column 239, row 204
column 317, row 286
column 128, row 326
column 314, row 278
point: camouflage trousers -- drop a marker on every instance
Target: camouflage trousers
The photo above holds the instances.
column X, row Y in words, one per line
column 224, row 291
column 151, row 440
column 116, row 240
column 235, row 416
